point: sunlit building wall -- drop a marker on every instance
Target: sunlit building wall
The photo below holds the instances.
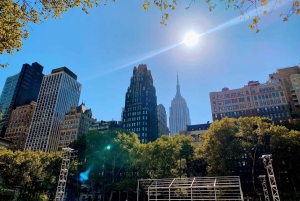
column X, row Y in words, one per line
column 254, row 99
column 18, row 126
column 75, row 124
column 59, row 92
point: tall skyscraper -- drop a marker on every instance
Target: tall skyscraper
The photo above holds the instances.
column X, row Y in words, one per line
column 139, row 114
column 179, row 113
column 19, row 89
column 59, row 92
column 162, row 121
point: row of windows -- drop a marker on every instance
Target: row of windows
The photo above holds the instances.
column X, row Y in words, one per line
column 263, row 96
column 270, row 109
column 136, row 129
column 270, row 102
column 237, row 114
column 67, row 137
column 135, row 119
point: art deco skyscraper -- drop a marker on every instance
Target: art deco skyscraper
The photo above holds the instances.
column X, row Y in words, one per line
column 139, row 114
column 19, row 89
column 59, row 92
column 179, row 113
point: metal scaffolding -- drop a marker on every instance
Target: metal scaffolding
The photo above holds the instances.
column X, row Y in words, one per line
column 262, row 179
column 196, row 188
column 67, row 155
column 268, row 165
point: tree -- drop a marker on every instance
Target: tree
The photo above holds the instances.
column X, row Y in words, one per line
column 166, row 157
column 220, row 147
column 109, row 158
column 35, row 172
column 17, row 16
column 285, row 146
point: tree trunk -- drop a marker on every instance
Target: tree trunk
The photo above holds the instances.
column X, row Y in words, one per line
column 119, row 194
column 253, row 169
column 111, row 195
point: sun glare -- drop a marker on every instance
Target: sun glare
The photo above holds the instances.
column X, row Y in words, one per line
column 191, row 39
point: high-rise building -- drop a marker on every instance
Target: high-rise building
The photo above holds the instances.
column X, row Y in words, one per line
column 179, row 113
column 289, row 78
column 254, row 99
column 162, row 121
column 75, row 123
column 59, row 92
column 19, row 89
column 18, row 126
column 139, row 114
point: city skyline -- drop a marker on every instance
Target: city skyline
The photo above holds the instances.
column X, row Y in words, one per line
column 102, row 51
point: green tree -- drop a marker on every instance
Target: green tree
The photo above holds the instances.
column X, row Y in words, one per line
column 285, row 146
column 166, row 157
column 109, row 156
column 35, row 172
column 221, row 147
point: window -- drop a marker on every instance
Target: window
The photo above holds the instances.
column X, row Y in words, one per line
column 281, row 93
column 248, row 98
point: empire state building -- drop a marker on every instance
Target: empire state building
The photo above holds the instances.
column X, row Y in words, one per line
column 179, row 113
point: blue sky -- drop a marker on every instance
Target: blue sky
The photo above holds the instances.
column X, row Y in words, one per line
column 103, row 47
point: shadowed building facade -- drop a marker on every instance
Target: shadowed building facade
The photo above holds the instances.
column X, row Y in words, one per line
column 179, row 113
column 59, row 92
column 139, row 114
column 162, row 121
column 19, row 89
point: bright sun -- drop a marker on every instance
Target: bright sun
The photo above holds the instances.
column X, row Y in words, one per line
column 191, row 38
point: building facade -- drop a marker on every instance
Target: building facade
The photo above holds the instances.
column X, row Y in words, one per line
column 19, row 89
column 289, row 78
column 196, row 131
column 254, row 99
column 75, row 124
column 18, row 126
column 105, row 125
column 139, row 114
column 162, row 121
column 59, row 92
column 179, row 113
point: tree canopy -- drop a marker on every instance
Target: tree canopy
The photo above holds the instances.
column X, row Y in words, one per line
column 17, row 16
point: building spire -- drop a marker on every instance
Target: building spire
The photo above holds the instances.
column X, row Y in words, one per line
column 178, row 95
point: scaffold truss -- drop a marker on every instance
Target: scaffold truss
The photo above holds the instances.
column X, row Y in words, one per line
column 67, row 155
column 268, row 165
column 262, row 179
column 196, row 188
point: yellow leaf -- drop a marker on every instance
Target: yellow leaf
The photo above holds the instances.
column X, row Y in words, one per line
column 251, row 26
column 257, row 30
column 255, row 20
column 298, row 12
column 166, row 16
column 285, row 19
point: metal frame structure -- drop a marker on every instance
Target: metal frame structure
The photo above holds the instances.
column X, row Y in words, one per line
column 67, row 155
column 188, row 189
column 268, row 165
column 262, row 179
